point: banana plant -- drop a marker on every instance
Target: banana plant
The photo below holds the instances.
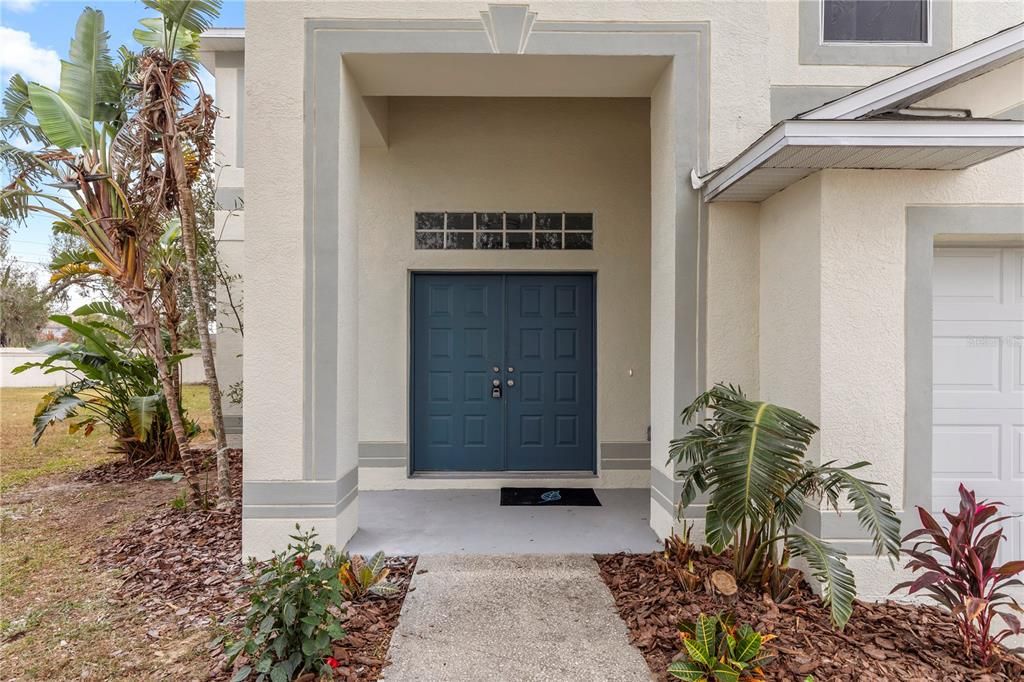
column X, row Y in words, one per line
column 109, row 384
column 751, row 459
column 183, row 137
column 92, row 175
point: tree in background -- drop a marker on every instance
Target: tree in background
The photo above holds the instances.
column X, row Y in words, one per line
column 24, row 307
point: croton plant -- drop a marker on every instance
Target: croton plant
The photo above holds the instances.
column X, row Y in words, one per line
column 959, row 573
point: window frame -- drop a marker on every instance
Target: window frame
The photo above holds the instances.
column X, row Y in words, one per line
column 814, row 49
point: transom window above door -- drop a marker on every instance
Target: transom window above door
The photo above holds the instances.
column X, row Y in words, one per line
column 874, row 21
column 456, row 230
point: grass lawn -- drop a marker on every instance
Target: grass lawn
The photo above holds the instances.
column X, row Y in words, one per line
column 60, row 617
column 58, row 451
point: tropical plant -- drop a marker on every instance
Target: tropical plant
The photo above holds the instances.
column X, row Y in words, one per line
column 97, row 175
column 750, row 457
column 183, row 137
column 360, row 577
column 294, row 614
column 108, row 384
column 959, row 572
column 716, row 650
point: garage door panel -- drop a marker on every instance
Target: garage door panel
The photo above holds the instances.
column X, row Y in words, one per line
column 968, row 276
column 952, row 441
column 966, row 363
column 978, row 382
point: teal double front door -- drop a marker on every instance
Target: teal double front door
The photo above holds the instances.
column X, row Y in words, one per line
column 503, row 372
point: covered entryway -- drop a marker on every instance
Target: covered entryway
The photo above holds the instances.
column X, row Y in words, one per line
column 978, row 381
column 503, row 372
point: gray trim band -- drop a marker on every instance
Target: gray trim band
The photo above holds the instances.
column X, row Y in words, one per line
column 663, row 491
column 625, row 456
column 787, row 101
column 924, row 224
column 384, row 454
column 812, row 51
column 1014, row 113
column 307, row 511
column 299, row 492
column 232, row 423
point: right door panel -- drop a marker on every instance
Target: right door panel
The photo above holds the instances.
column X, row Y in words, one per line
column 550, row 357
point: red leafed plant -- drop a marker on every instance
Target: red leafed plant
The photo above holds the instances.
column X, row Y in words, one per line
column 958, row 572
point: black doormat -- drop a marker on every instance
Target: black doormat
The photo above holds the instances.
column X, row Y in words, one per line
column 549, row 497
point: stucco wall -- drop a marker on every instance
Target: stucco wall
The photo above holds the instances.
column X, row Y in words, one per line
column 862, row 299
column 789, row 306
column 508, row 155
column 733, row 283
column 989, row 95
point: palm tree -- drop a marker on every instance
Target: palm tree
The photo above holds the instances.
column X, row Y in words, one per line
column 751, row 457
column 100, row 187
column 185, row 140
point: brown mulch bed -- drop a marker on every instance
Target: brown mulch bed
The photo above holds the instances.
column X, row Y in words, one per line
column 882, row 641
column 369, row 624
column 122, row 471
column 184, row 569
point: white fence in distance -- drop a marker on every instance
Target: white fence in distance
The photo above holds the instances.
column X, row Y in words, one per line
column 191, row 370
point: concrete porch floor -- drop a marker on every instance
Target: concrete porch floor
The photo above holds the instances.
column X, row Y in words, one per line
column 472, row 522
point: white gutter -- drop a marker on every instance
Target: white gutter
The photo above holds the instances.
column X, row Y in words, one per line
column 916, row 83
column 869, row 133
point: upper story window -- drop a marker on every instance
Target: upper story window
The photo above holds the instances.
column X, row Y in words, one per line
column 874, row 21
column 875, row 32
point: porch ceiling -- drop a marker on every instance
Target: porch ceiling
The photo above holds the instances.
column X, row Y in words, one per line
column 794, row 149
column 505, row 75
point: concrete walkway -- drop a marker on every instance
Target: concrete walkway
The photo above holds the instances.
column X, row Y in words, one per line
column 521, row 618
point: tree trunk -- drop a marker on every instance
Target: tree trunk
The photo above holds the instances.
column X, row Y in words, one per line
column 147, row 322
column 187, row 213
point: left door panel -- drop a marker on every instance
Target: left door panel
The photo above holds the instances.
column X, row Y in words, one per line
column 458, row 340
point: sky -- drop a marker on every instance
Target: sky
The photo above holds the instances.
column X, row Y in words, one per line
column 34, row 36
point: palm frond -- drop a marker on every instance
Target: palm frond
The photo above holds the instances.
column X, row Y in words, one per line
column 88, row 79
column 15, row 118
column 192, row 15
column 143, row 409
column 61, row 124
column 828, row 566
column 759, row 453
column 872, row 505
column 57, row 405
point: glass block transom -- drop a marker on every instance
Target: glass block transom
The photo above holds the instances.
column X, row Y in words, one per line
column 504, row 230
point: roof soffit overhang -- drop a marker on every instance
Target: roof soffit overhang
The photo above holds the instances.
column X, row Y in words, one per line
column 794, row 149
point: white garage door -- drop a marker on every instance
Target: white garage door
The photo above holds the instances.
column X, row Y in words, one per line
column 978, row 381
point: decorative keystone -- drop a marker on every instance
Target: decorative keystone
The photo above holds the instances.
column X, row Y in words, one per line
column 508, row 27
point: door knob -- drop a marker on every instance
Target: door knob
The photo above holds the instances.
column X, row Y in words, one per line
column 496, row 369
column 511, row 369
column 511, row 383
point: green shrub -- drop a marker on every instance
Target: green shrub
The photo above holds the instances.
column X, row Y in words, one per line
column 294, row 614
column 110, row 383
column 360, row 577
column 718, row 650
column 751, row 459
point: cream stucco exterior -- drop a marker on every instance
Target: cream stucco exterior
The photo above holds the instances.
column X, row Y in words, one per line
column 583, row 155
column 800, row 298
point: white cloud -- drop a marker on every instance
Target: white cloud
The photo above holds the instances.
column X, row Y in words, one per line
column 20, row 5
column 18, row 54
